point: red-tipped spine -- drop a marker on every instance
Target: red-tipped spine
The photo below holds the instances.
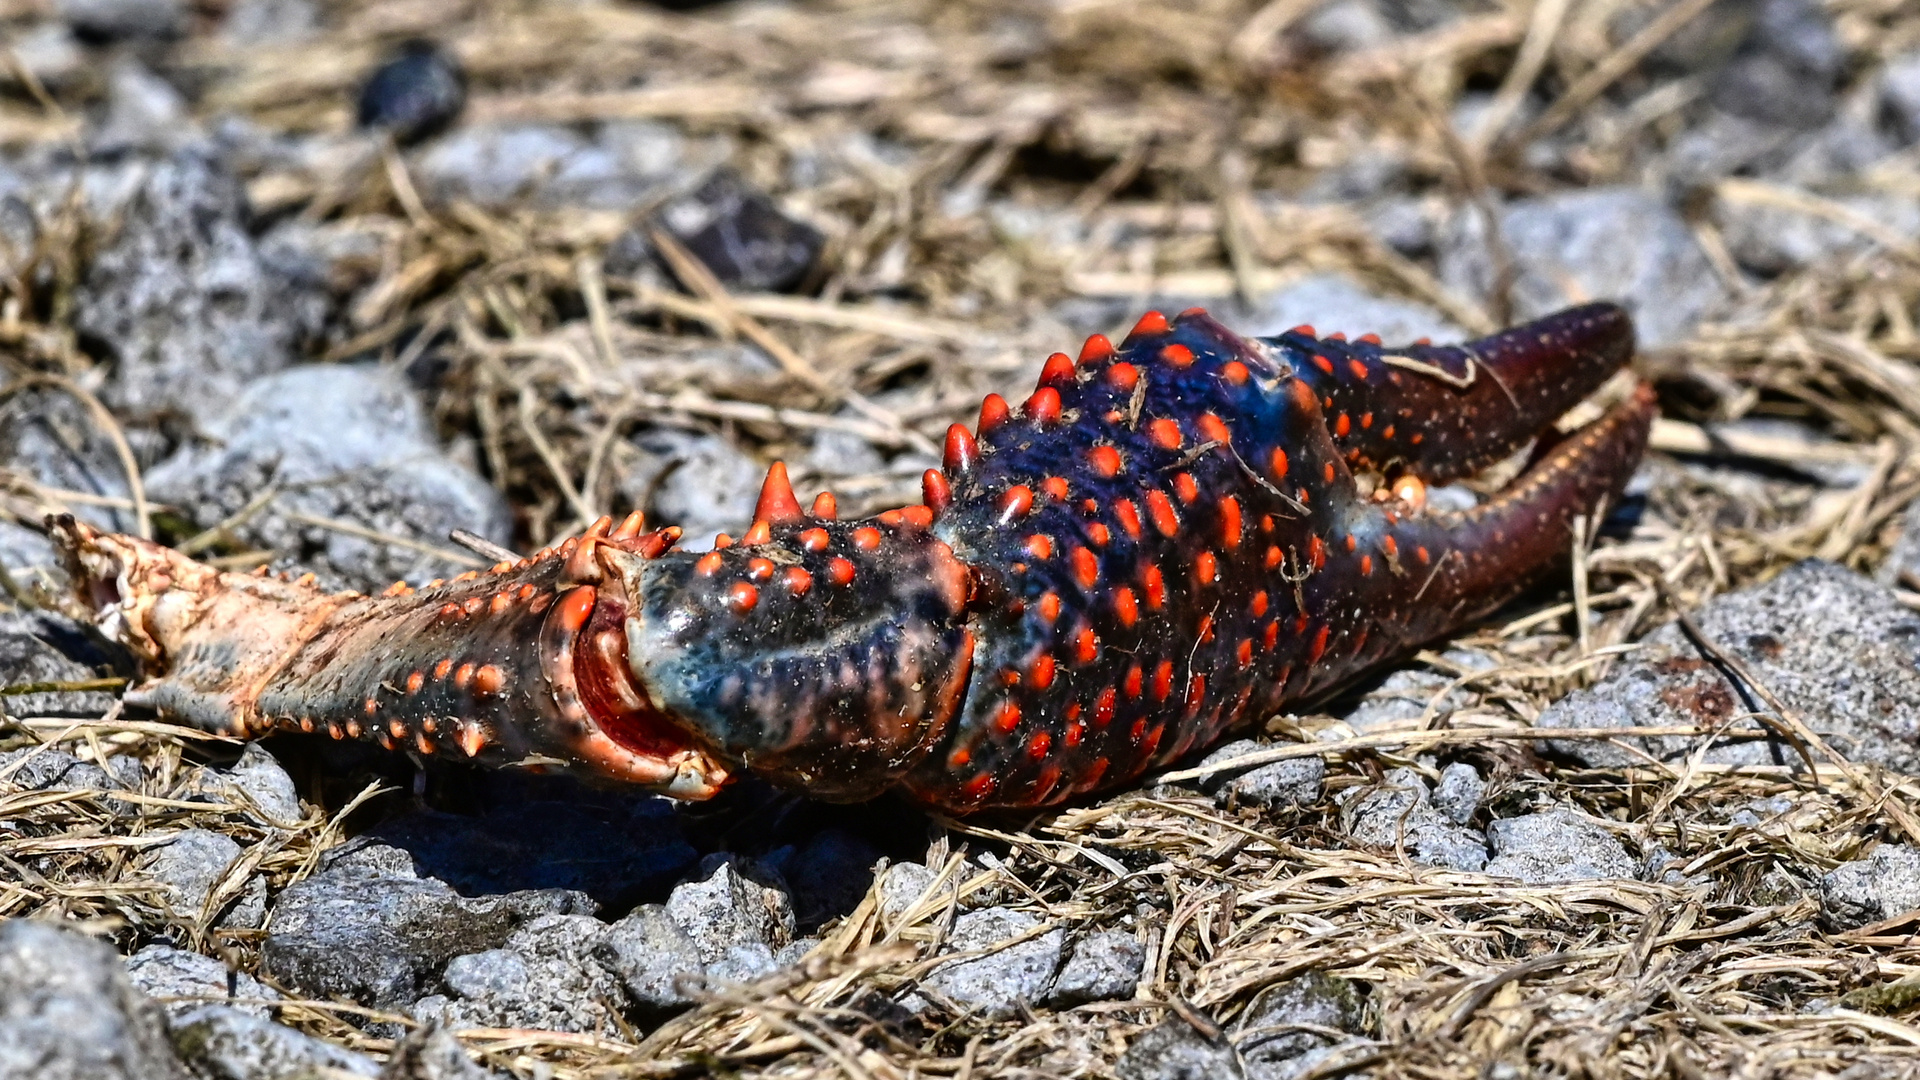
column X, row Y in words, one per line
column 1044, row 406
column 993, row 413
column 825, row 506
column 1097, row 350
column 777, row 505
column 935, row 491
column 962, row 452
column 1151, row 323
column 1058, row 370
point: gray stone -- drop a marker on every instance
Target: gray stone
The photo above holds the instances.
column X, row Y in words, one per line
column 651, row 955
column 1774, row 240
column 1333, row 304
column 1402, row 698
column 1902, row 568
column 144, row 112
column 26, row 554
column 903, row 885
column 726, row 907
column 47, row 769
column 1399, row 814
column 1173, row 1050
column 743, row 964
column 1457, row 796
column 430, row 1052
column 43, row 647
column 1277, row 1026
column 115, row 19
column 189, row 867
column 223, row 1043
column 1289, row 782
column 52, row 53
column 270, row 22
column 67, row 1011
column 794, row 952
column 54, row 440
column 182, row 299
column 1103, row 966
column 162, row 971
column 256, row 779
column 1836, row 648
column 995, row 985
column 551, row 165
column 342, row 443
column 702, row 483
column 842, row 453
column 1556, row 846
column 1784, row 73
column 369, row 929
column 1346, row 26
column 1617, row 243
column 544, row 977
column 738, row 233
column 1884, row 884
column 1900, row 90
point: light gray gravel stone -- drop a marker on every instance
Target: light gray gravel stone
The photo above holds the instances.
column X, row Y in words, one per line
column 1621, row 242
column 1278, row 1027
column 1774, row 240
column 1402, row 697
column 1290, row 782
column 430, row 1052
column 702, row 483
column 994, row 985
column 1835, row 647
column 1900, row 89
column 1459, row 792
column 1884, row 884
column 190, row 866
column 47, row 769
column 223, row 1043
column 370, row 929
column 903, row 885
column 1558, row 845
column 341, row 443
column 652, row 956
column 1103, row 966
column 39, row 647
column 550, row 165
column 544, row 977
column 1173, row 1050
column 68, row 1012
column 1399, row 814
column 255, row 779
column 162, row 971
column 182, row 298
column 726, row 907
column 743, row 964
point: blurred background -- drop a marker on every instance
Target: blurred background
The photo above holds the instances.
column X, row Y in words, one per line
column 353, row 275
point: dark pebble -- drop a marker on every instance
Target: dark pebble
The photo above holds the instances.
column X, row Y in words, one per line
column 741, row 236
column 414, row 95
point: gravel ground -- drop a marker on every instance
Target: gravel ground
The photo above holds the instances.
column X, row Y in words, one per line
column 309, row 286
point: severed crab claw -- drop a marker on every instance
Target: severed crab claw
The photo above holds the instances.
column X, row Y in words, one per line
column 1166, row 540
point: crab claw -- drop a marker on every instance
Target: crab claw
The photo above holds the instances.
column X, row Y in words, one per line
column 523, row 665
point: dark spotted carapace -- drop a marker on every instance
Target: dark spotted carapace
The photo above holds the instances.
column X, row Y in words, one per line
column 1166, row 539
